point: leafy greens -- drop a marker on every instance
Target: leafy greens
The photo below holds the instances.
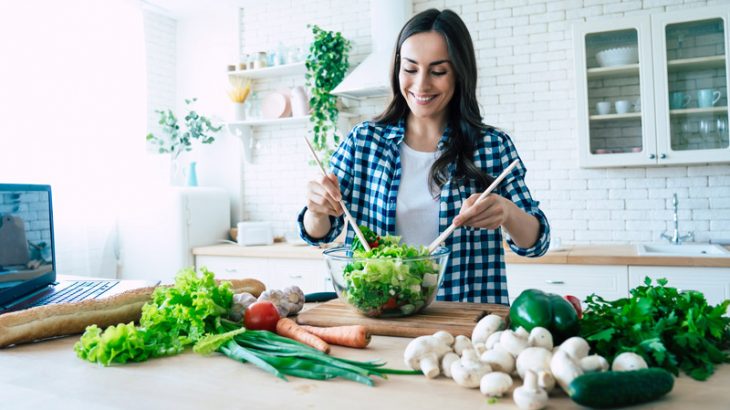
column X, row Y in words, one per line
column 669, row 328
column 176, row 317
column 390, row 277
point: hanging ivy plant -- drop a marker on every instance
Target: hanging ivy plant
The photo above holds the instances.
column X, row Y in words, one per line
column 327, row 64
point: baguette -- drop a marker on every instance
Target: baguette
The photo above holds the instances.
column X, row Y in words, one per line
column 43, row 322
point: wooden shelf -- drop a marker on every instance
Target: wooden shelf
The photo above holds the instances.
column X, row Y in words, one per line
column 700, row 63
column 694, row 111
column 274, row 71
column 617, row 71
column 608, row 117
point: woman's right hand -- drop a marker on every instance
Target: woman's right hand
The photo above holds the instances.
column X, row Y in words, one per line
column 323, row 196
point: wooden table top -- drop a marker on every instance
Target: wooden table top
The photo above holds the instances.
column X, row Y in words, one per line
column 49, row 375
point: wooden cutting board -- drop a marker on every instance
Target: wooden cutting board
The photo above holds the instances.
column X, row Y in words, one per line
column 457, row 318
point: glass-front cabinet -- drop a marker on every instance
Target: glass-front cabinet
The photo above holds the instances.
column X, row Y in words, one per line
column 653, row 90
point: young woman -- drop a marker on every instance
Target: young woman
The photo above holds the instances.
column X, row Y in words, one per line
column 423, row 163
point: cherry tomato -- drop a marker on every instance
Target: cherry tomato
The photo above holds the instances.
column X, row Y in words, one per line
column 390, row 304
column 576, row 304
column 261, row 316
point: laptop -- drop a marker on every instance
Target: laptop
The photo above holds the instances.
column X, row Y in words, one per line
column 28, row 255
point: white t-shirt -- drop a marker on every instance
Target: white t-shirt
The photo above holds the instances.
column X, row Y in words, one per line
column 416, row 211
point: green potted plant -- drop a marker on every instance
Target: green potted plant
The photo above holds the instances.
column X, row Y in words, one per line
column 327, row 64
column 176, row 141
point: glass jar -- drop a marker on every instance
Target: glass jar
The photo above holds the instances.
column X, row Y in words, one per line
column 259, row 60
column 244, row 62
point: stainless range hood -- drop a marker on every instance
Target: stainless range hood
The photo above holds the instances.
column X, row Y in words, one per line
column 372, row 77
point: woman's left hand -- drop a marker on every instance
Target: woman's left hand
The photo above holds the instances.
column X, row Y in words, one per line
column 491, row 213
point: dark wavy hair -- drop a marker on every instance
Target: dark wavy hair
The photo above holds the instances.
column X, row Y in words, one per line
column 464, row 116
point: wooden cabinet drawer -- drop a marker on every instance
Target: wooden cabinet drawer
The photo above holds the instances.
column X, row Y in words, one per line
column 607, row 281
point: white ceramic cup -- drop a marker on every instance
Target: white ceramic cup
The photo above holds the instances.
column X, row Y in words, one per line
column 603, row 107
column 623, row 106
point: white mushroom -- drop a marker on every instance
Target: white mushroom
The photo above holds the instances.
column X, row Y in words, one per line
column 564, row 368
column 495, row 384
column 462, row 343
column 424, row 353
column 446, row 362
column 480, row 348
column 540, row 337
column 546, row 380
column 499, row 359
column 593, row 363
column 628, row 361
column 533, row 358
column 469, row 370
column 485, row 327
column 530, row 396
column 444, row 337
column 522, row 332
column 513, row 342
column 576, row 346
column 493, row 339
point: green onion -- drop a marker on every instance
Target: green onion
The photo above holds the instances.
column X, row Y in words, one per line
column 283, row 356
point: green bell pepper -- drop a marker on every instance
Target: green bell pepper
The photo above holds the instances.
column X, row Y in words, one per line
column 535, row 308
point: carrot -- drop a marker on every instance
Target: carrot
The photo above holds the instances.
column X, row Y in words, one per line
column 289, row 328
column 356, row 336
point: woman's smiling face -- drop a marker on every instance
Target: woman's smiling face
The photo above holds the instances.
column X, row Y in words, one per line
column 426, row 76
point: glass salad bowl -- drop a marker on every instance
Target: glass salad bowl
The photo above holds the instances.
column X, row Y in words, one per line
column 400, row 281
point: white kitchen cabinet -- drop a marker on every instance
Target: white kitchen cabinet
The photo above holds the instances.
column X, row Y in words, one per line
column 276, row 273
column 607, row 281
column 714, row 283
column 678, row 56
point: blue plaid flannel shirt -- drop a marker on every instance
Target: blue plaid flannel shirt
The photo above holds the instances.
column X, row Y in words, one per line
column 367, row 164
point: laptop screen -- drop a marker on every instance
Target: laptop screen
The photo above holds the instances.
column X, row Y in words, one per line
column 26, row 240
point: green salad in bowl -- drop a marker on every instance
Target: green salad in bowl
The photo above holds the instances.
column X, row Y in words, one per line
column 390, row 280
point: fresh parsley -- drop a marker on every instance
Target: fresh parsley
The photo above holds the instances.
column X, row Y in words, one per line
column 669, row 328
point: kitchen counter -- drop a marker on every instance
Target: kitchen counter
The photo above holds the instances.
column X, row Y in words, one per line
column 48, row 375
column 574, row 255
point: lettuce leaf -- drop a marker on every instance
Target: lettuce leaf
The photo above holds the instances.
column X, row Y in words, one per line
column 176, row 317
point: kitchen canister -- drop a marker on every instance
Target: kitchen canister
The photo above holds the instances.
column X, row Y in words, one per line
column 239, row 111
column 254, row 233
column 299, row 102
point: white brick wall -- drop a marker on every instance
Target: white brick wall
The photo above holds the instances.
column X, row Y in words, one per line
column 527, row 87
column 160, row 43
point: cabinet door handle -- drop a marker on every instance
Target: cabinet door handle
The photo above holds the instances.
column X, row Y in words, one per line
column 663, row 156
column 295, row 276
column 231, row 270
column 554, row 282
column 652, row 156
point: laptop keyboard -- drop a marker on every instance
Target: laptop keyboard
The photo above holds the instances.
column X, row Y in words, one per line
column 77, row 291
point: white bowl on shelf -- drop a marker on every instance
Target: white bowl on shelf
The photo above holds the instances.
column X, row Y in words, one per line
column 617, row 56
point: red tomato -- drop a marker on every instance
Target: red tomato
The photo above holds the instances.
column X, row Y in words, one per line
column 576, row 304
column 390, row 304
column 261, row 316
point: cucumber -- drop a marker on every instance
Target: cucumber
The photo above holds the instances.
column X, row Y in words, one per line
column 617, row 389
